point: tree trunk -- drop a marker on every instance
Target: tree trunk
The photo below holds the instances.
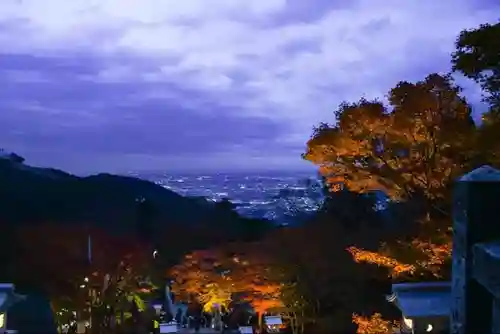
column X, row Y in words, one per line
column 293, row 322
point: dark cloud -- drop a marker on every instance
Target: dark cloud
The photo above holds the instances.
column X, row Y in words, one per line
column 154, row 129
column 68, row 114
column 185, row 85
column 299, row 11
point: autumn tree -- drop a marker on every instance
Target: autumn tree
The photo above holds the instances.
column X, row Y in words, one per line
column 285, row 265
column 374, row 324
column 198, row 275
column 415, row 146
column 56, row 260
column 277, row 287
column 411, row 150
column 216, row 276
column 323, row 286
column 120, row 278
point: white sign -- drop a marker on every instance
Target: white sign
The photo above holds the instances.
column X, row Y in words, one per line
column 246, row 330
column 273, row 320
column 170, row 327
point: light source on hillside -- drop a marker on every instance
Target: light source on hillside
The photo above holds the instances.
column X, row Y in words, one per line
column 408, row 322
column 157, row 307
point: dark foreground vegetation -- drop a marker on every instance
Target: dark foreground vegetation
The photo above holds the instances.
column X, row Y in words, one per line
column 328, row 275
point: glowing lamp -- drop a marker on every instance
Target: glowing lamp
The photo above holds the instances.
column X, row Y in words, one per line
column 408, row 322
column 157, row 307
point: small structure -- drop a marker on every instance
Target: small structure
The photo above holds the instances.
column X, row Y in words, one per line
column 425, row 306
column 33, row 314
column 157, row 305
column 246, row 329
column 170, row 327
column 8, row 298
column 273, row 323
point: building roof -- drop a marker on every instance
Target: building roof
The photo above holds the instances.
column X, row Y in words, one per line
column 32, row 315
column 8, row 297
column 425, row 299
column 482, row 174
column 493, row 249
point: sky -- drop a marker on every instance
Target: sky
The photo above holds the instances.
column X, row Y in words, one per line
column 118, row 85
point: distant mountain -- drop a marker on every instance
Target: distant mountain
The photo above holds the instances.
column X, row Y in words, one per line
column 33, row 195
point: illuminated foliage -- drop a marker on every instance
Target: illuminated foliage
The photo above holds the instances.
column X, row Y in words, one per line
column 218, row 276
column 432, row 257
column 411, row 150
column 373, row 325
column 396, row 268
column 418, row 145
column 322, row 285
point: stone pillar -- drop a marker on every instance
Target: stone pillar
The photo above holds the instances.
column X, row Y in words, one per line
column 169, row 304
column 495, row 326
column 475, row 206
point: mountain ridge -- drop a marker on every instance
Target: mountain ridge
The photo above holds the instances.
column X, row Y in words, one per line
column 38, row 195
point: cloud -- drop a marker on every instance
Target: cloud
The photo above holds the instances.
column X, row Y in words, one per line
column 151, row 83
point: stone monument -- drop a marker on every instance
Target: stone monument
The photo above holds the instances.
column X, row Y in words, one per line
column 170, row 326
column 476, row 232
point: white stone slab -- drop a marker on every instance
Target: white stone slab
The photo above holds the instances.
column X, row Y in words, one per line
column 246, row 330
column 170, row 327
column 273, row 320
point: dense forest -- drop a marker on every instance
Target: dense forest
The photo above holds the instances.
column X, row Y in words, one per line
column 330, row 273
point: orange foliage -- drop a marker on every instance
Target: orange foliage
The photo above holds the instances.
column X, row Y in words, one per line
column 263, row 305
column 222, row 275
column 436, row 254
column 412, row 150
column 373, row 325
column 396, row 268
column 426, row 134
column 432, row 258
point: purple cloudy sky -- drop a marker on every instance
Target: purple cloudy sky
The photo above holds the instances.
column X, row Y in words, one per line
column 115, row 85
